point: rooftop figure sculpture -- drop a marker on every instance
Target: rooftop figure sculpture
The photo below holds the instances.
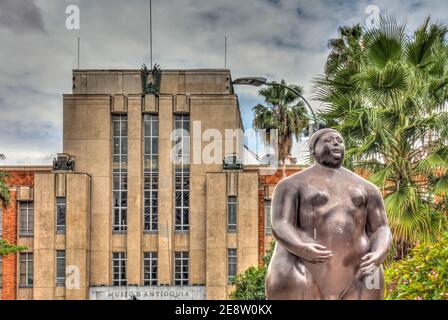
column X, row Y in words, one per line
column 330, row 228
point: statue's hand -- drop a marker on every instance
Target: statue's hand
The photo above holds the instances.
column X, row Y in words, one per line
column 315, row 253
column 370, row 262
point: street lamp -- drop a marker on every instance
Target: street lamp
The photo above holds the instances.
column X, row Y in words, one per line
column 259, row 81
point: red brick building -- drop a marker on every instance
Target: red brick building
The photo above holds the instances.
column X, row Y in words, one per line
column 267, row 184
column 20, row 182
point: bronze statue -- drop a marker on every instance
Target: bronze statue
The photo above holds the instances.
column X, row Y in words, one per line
column 330, row 228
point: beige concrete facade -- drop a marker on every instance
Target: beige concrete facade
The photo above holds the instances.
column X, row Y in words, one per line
column 89, row 240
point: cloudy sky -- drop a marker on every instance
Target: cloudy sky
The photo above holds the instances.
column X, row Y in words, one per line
column 277, row 39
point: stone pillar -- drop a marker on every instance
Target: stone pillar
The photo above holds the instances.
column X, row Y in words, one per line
column 78, row 236
column 44, row 237
column 165, row 235
column 135, row 178
column 247, row 219
column 216, row 237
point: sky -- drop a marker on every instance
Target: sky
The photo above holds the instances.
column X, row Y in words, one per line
column 276, row 39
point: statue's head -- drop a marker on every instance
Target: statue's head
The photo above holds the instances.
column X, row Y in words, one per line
column 327, row 147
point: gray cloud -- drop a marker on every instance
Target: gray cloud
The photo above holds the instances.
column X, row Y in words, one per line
column 21, row 16
column 277, row 39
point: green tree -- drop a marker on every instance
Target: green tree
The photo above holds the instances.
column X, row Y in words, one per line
column 4, row 192
column 391, row 110
column 422, row 275
column 290, row 121
column 250, row 285
column 6, row 248
column 345, row 50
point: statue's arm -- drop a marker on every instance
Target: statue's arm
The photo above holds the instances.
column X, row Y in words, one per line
column 284, row 211
column 377, row 230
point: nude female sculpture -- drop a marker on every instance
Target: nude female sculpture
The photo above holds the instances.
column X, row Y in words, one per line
column 330, row 228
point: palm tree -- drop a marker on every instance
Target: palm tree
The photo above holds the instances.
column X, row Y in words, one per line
column 289, row 120
column 392, row 112
column 345, row 50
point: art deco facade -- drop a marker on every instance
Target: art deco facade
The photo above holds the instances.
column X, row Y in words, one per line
column 127, row 211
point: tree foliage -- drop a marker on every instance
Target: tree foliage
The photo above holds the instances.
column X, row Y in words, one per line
column 250, row 285
column 389, row 102
column 289, row 120
column 6, row 248
column 4, row 192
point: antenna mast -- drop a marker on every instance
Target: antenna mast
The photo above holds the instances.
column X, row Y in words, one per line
column 150, row 33
column 225, row 52
column 79, row 44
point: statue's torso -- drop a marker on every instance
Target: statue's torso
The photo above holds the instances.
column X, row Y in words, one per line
column 332, row 212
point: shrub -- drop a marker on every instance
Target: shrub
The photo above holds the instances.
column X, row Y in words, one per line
column 249, row 285
column 422, row 275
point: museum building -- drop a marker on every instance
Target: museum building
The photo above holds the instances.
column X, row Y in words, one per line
column 126, row 211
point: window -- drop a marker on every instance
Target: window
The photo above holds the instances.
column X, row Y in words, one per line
column 267, row 215
column 151, row 173
column 231, row 265
column 182, row 198
column 61, row 209
column 26, row 219
column 181, row 268
column 119, row 269
column 60, row 267
column 120, row 175
column 150, row 268
column 182, row 173
column 231, row 213
column 26, row 269
column 1, row 222
column 1, row 271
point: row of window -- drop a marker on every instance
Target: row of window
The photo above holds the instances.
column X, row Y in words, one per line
column 26, row 223
column 119, row 268
column 151, row 173
column 26, row 218
column 150, row 262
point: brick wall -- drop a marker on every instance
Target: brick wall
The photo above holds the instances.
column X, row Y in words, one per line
column 15, row 179
column 267, row 180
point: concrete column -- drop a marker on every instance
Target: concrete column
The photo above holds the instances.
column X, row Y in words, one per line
column 135, row 179
column 165, row 235
column 44, row 237
column 216, row 235
column 78, row 236
column 247, row 219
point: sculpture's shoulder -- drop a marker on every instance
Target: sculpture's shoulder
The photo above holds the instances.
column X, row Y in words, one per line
column 294, row 182
column 368, row 186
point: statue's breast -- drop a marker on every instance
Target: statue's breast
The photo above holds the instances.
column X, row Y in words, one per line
column 319, row 198
column 357, row 197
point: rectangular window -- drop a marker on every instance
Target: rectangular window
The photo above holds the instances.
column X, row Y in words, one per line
column 267, row 215
column 182, row 173
column 60, row 267
column 119, row 269
column 231, row 265
column 61, row 209
column 26, row 219
column 231, row 213
column 151, row 172
column 26, row 269
column 120, row 173
column 181, row 268
column 150, row 268
column 1, row 221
